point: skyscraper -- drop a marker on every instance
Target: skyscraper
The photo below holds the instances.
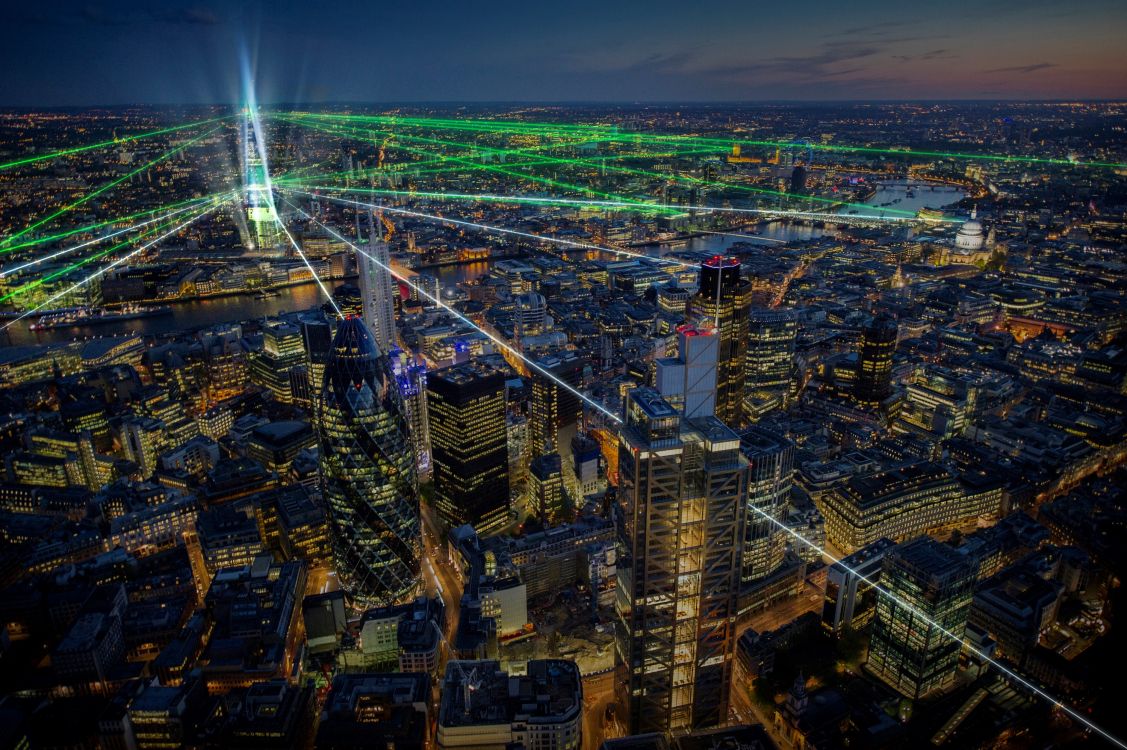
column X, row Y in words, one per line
column 545, row 491
column 680, row 525
column 721, row 303
column 412, row 380
column 262, row 219
column 874, row 362
column 770, row 458
column 377, row 293
column 770, row 350
column 688, row 381
column 555, row 411
column 932, row 586
column 469, row 445
column 317, row 339
column 368, row 472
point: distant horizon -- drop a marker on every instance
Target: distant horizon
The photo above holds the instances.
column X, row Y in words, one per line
column 555, row 103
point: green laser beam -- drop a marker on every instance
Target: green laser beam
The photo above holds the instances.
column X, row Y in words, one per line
column 696, row 181
column 23, row 288
column 103, row 144
column 108, row 186
column 101, row 224
column 509, row 126
column 499, row 170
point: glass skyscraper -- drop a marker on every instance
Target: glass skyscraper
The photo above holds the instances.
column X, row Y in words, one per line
column 368, row 472
column 932, row 585
column 874, row 363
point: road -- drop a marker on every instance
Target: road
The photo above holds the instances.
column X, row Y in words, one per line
column 598, row 693
column 774, row 617
column 321, row 579
column 439, row 573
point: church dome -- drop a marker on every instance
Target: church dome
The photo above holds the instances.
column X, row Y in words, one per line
column 970, row 236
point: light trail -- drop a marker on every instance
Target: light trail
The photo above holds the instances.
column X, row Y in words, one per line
column 490, row 228
column 552, row 201
column 103, row 144
column 492, row 337
column 618, row 420
column 108, row 186
column 305, row 260
column 508, row 126
column 97, row 240
column 944, row 631
column 114, row 264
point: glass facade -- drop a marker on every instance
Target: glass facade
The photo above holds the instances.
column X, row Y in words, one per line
column 368, row 472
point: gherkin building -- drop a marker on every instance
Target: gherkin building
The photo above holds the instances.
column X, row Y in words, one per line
column 368, row 472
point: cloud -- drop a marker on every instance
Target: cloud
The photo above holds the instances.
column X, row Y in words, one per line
column 1023, row 68
column 935, row 54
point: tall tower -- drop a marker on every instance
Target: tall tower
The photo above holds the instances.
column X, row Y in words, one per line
column 262, row 219
column 377, row 293
column 874, row 362
column 412, row 380
column 933, row 586
column 555, row 412
column 368, row 472
column 469, row 443
column 688, row 381
column 680, row 526
column 770, row 477
column 722, row 303
column 770, row 350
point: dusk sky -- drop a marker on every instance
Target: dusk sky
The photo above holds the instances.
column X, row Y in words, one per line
column 56, row 52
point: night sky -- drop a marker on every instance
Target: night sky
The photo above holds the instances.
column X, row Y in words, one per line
column 56, row 52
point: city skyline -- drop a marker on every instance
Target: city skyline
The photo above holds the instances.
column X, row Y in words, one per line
column 579, row 426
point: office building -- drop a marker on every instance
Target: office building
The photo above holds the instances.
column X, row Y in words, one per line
column 469, row 443
column 545, row 497
column 377, row 293
column 873, row 382
column 919, row 622
column 770, row 459
column 850, row 600
column 770, row 351
column 368, row 472
column 681, row 510
column 412, row 379
column 721, row 303
column 555, row 412
column 487, row 709
column 688, row 381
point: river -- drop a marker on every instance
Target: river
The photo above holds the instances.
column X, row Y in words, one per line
column 218, row 310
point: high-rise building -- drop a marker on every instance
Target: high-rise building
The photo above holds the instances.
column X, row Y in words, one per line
column 377, row 293
column 683, row 486
column 929, row 590
column 368, row 472
column 555, row 411
column 771, row 461
column 282, row 351
column 317, row 340
column 688, row 381
column 874, row 362
column 531, row 315
column 798, row 180
column 412, row 380
column 469, row 446
column 722, row 303
column 545, row 489
column 262, row 218
column 770, row 350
